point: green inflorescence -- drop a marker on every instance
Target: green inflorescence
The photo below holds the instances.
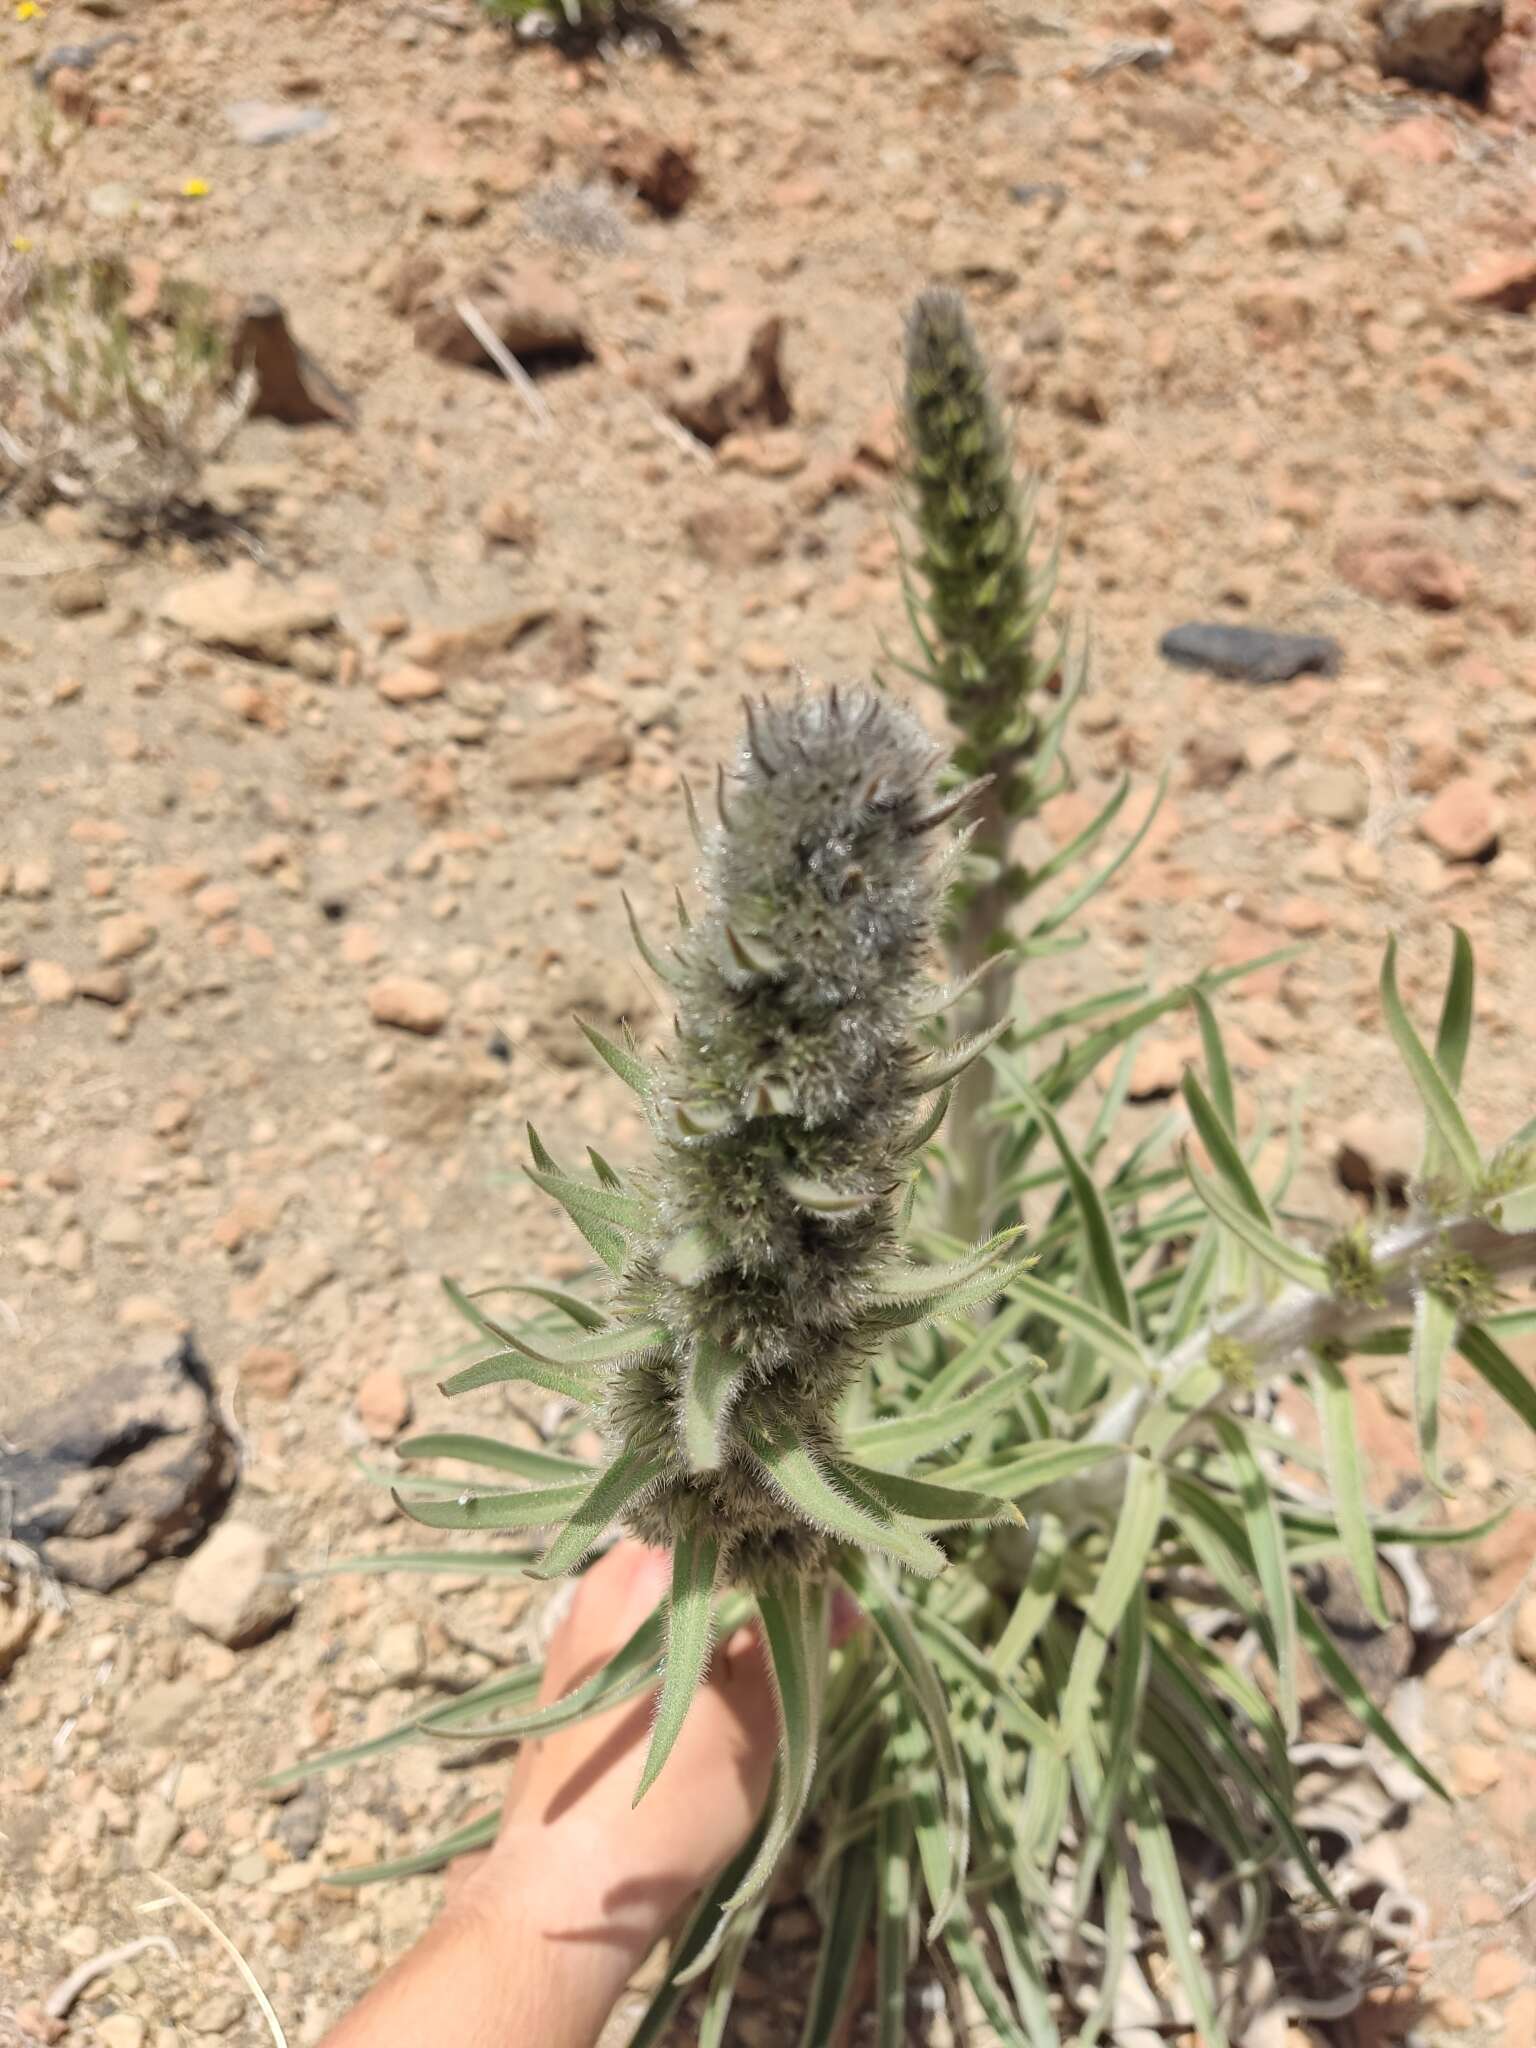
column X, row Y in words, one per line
column 982, row 601
column 1465, row 1282
column 1234, row 1360
column 1352, row 1270
column 756, row 1263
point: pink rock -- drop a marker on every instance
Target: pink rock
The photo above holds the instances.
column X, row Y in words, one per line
column 384, row 1402
column 1464, row 821
column 409, row 1004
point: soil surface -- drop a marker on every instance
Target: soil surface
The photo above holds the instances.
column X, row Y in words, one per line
column 291, row 930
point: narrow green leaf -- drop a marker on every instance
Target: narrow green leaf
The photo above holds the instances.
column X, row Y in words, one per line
column 893, row 1933
column 842, row 1943
column 1141, row 1513
column 1445, row 1119
column 1340, row 1675
column 602, row 1215
column 1223, row 1095
column 506, row 1561
column 1085, row 841
column 476, row 1834
column 1298, row 1266
column 974, row 1356
column 1062, row 912
column 1266, row 1539
column 888, row 1610
column 1434, row 1334
column 710, row 1390
column 520, row 1685
column 705, row 1924
column 571, row 1305
column 695, row 1566
column 1218, row 1139
column 1165, row 1885
column 542, row 1158
column 965, row 1952
column 1121, row 1731
column 808, row 1489
column 934, row 1002
column 793, row 1617
column 1106, row 1338
column 1026, row 1980
column 905, row 1282
column 898, row 1439
column 632, row 1072
column 721, row 1994
column 951, row 1064
column 603, row 1347
column 948, row 1301
column 1037, row 1466
column 497, row 1456
column 1493, row 1364
column 1455, row 1032
column 529, row 1508
column 954, row 1652
column 666, row 971
column 1336, row 1408
column 1093, row 1220
column 632, row 1474
column 926, row 1500
column 576, row 1383
column 633, row 1668
column 1037, row 1601
column 927, row 1125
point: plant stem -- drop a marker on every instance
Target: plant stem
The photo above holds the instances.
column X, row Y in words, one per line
column 1276, row 1335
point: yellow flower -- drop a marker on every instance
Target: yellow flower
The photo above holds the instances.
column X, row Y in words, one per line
column 28, row 10
column 195, row 188
column 22, row 244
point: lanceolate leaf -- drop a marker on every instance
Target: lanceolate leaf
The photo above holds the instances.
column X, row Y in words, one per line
column 631, row 1475
column 1220, row 1142
column 850, row 1906
column 1037, row 1601
column 1434, row 1333
column 893, row 1935
column 1165, row 1883
column 665, row 970
column 1445, row 1119
column 807, row 1487
column 948, row 1301
column 1493, row 1364
column 604, row 1347
column 576, row 1383
column 1298, row 1266
column 1266, row 1539
column 632, row 1072
column 950, row 1065
column 899, row 1438
column 884, row 1605
column 1455, row 1033
column 571, row 1305
column 530, row 1508
column 1341, row 1677
column 632, row 1669
column 1342, row 1444
column 1094, row 1220
column 794, row 1623
column 1108, row 1339
column 709, row 1393
column 695, row 1563
column 601, row 1215
column 462, row 1842
column 1039, row 1465
column 497, row 1456
column 912, row 1283
column 1146, row 1495
column 924, row 1500
column 1216, row 1065
column 705, row 1924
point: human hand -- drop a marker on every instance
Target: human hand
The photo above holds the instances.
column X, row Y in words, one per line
column 574, row 1849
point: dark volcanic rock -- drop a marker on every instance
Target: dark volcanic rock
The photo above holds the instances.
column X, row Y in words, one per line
column 1249, row 654
column 131, row 1466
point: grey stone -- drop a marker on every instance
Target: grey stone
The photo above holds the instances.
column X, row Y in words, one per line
column 134, row 1464
column 1250, row 654
column 1439, row 43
